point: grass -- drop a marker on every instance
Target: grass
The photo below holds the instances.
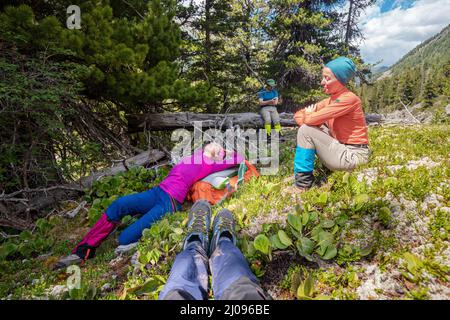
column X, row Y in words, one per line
column 372, row 222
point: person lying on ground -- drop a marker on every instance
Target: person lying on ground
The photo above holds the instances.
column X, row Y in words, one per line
column 153, row 204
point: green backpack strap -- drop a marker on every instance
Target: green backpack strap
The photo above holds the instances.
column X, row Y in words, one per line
column 241, row 172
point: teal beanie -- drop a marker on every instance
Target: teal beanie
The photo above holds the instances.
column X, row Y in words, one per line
column 343, row 68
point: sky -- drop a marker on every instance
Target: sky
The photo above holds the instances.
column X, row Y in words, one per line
column 393, row 27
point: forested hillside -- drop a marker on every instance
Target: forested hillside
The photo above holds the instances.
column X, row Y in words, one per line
column 421, row 76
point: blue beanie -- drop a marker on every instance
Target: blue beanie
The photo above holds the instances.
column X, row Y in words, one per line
column 343, row 68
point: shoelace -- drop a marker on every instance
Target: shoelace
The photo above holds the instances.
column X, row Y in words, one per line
column 199, row 224
column 225, row 223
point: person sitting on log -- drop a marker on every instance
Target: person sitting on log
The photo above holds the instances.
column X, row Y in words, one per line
column 335, row 128
column 268, row 100
column 154, row 203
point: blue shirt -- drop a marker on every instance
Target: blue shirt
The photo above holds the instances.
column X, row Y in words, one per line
column 267, row 95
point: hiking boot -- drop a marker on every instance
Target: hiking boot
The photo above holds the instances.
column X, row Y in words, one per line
column 198, row 224
column 295, row 190
column 223, row 226
column 71, row 259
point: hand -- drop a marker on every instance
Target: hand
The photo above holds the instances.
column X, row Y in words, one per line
column 311, row 108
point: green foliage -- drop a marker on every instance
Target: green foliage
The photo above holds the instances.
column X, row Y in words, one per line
column 28, row 243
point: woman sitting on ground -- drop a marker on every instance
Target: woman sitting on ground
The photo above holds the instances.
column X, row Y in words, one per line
column 335, row 128
column 154, row 203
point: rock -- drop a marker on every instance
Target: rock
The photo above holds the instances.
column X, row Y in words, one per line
column 135, row 259
column 399, row 290
column 373, row 118
column 125, row 248
column 44, row 256
column 58, row 291
column 447, row 110
column 106, row 287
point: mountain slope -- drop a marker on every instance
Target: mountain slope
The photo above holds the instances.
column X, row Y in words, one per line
column 420, row 78
column 433, row 52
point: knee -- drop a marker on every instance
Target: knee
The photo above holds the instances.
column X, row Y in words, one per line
column 115, row 209
column 305, row 130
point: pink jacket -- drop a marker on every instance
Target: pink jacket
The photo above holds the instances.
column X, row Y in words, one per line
column 193, row 168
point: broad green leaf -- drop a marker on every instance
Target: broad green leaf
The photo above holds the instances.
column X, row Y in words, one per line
column 305, row 245
column 345, row 177
column 149, row 286
column 325, row 236
column 276, row 243
column 366, row 251
column 144, row 258
column 313, row 216
column 309, row 286
column 322, row 199
column 306, row 288
column 315, row 232
column 154, row 256
column 284, row 238
column 262, row 243
column 361, row 199
column 413, row 262
column 327, row 223
column 335, row 229
column 330, row 252
column 295, row 222
column 346, row 250
column 305, row 218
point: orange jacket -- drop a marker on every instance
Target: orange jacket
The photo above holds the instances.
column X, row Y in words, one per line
column 343, row 115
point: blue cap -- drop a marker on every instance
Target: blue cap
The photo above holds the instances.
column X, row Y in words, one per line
column 343, row 68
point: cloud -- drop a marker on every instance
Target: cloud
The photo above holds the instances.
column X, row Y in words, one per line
column 390, row 35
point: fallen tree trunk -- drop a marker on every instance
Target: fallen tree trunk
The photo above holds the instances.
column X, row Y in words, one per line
column 17, row 208
column 171, row 121
column 140, row 160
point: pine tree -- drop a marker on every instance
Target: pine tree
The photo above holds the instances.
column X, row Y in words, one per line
column 429, row 93
column 351, row 32
column 302, row 32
